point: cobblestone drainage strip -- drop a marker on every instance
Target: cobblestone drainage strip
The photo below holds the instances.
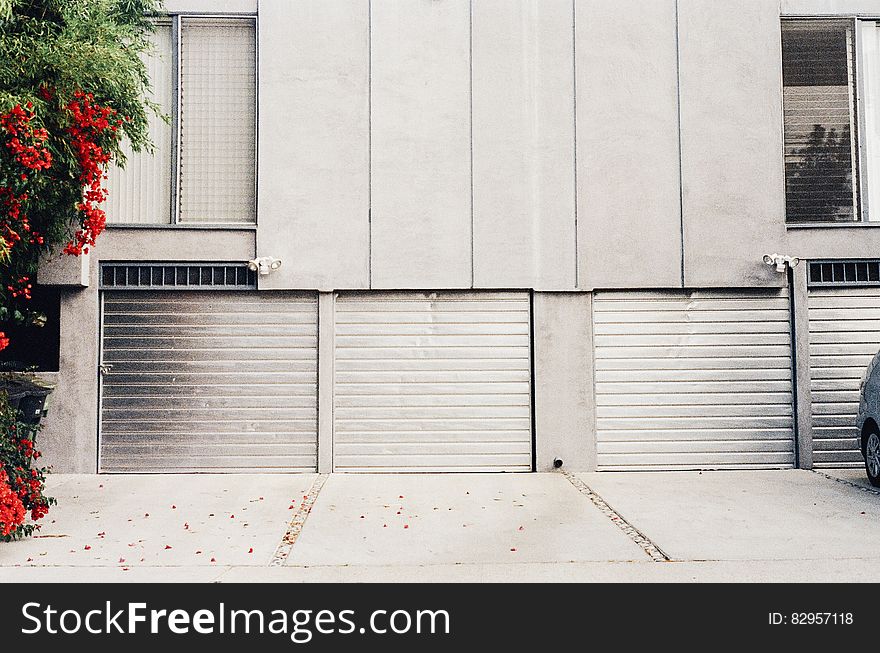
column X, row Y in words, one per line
column 655, row 552
column 297, row 522
column 864, row 489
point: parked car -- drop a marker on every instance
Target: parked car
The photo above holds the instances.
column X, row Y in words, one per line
column 868, row 423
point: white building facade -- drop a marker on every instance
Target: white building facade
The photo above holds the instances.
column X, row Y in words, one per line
column 512, row 234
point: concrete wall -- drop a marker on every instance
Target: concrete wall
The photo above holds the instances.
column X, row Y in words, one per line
column 546, row 144
column 557, row 145
column 629, row 205
column 421, row 144
column 829, row 7
column 554, row 145
column 523, row 144
column 314, row 181
column 564, row 400
column 733, row 186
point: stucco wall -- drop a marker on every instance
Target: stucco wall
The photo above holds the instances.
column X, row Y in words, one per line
column 554, row 145
column 547, row 144
column 564, row 401
column 733, row 187
column 629, row 205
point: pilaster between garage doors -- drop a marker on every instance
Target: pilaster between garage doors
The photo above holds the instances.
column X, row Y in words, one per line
column 800, row 324
column 326, row 374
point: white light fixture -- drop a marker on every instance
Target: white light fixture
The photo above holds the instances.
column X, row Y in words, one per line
column 264, row 265
column 781, row 262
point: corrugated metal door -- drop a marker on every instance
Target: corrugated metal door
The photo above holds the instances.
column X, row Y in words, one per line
column 208, row 381
column 693, row 380
column 844, row 336
column 433, row 382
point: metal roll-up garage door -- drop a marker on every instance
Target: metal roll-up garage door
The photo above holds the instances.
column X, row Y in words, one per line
column 433, row 382
column 208, row 381
column 844, row 336
column 693, row 380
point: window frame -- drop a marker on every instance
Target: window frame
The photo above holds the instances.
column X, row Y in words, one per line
column 175, row 20
column 857, row 119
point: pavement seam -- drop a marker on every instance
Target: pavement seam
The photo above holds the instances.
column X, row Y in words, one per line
column 296, row 524
column 864, row 489
column 643, row 541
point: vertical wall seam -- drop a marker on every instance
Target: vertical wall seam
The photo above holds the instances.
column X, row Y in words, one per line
column 471, row 128
column 680, row 143
column 575, row 136
column 369, row 143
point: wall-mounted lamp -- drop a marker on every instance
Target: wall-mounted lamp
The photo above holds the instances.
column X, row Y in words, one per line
column 264, row 265
column 781, row 262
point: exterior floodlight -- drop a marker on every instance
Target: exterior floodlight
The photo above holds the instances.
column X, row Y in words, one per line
column 264, row 265
column 781, row 262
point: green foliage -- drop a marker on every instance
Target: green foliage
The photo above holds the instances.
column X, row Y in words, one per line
column 73, row 86
column 51, row 53
column 19, row 472
column 95, row 46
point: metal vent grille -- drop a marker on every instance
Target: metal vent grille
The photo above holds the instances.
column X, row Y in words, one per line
column 176, row 276
column 844, row 273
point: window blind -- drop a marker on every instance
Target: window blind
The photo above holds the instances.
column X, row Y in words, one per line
column 869, row 65
column 217, row 121
column 141, row 193
column 819, row 83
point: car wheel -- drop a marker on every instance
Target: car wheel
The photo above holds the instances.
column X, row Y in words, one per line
column 872, row 458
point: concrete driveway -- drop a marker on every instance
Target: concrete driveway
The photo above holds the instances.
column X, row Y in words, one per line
column 632, row 527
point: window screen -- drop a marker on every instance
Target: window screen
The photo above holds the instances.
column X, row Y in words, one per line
column 869, row 69
column 818, row 80
column 141, row 193
column 217, row 121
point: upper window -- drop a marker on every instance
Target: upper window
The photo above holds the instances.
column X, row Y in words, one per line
column 202, row 169
column 821, row 134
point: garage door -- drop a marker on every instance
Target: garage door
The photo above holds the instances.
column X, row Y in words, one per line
column 844, row 336
column 208, row 381
column 433, row 382
column 693, row 380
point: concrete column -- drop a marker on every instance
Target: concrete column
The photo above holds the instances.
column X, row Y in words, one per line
column 563, row 377
column 69, row 437
column 326, row 320
column 801, row 341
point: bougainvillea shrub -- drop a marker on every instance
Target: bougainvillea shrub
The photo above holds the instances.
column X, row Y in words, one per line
column 22, row 479
column 73, row 86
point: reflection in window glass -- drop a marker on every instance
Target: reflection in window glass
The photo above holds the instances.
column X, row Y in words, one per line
column 818, row 80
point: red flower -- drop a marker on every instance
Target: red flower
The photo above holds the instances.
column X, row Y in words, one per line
column 12, row 510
